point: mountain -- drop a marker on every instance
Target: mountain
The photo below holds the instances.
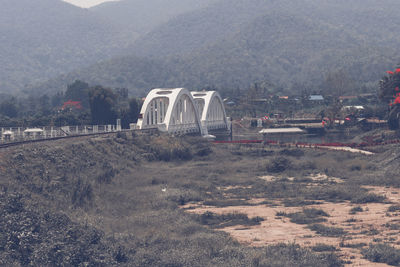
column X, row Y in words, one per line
column 44, row 38
column 144, row 15
column 233, row 43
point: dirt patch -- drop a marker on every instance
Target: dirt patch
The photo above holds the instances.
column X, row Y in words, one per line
column 348, row 149
column 363, row 224
column 318, row 177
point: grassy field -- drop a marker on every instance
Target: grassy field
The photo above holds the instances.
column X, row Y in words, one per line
column 117, row 200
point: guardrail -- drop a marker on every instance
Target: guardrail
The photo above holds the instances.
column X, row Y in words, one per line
column 149, row 131
column 18, row 134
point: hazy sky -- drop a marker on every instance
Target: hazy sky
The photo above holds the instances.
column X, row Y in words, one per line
column 87, row 3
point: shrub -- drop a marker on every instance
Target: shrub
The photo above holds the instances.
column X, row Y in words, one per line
column 281, row 214
column 107, row 174
column 323, row 247
column 352, row 245
column 82, row 194
column 341, row 192
column 226, row 202
column 292, row 152
column 120, row 255
column 355, row 168
column 307, row 165
column 356, row 209
column 298, row 202
column 367, row 198
column 122, row 135
column 326, row 230
column 14, row 203
column 229, row 219
column 307, row 216
column 383, row 253
column 294, row 255
column 394, row 208
column 278, row 164
column 393, row 226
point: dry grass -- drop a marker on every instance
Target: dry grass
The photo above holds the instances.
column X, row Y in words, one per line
column 130, row 190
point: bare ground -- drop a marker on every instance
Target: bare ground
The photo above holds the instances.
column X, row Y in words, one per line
column 373, row 224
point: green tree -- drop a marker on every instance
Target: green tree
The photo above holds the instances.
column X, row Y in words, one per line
column 44, row 105
column 57, row 99
column 9, row 108
column 102, row 105
column 78, row 91
column 135, row 105
column 338, row 83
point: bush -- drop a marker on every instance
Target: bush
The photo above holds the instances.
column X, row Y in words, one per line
column 323, row 247
column 278, row 164
column 341, row 192
column 394, row 208
column 34, row 238
column 294, row 255
column 326, row 230
column 383, row 253
column 367, row 198
column 356, row 209
column 108, row 172
column 82, row 194
column 167, row 149
column 298, row 202
column 307, row 216
column 292, row 152
column 307, row 165
column 229, row 219
column 352, row 245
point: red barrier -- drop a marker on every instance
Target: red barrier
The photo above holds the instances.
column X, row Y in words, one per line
column 333, row 144
column 239, row 142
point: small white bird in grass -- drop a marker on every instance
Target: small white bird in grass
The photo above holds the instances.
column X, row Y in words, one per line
column 164, row 189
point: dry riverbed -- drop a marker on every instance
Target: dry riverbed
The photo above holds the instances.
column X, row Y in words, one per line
column 362, row 224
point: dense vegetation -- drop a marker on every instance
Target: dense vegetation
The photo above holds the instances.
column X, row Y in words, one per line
column 45, row 38
column 80, row 104
column 216, row 44
column 231, row 44
column 113, row 200
column 143, row 15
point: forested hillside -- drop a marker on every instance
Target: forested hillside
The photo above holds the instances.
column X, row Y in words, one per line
column 231, row 44
column 44, row 38
column 143, row 15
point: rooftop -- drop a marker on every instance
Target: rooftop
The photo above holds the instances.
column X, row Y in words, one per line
column 281, row 130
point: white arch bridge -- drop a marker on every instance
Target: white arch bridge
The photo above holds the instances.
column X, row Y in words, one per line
column 179, row 111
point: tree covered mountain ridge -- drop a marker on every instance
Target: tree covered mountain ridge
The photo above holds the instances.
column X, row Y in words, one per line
column 230, row 44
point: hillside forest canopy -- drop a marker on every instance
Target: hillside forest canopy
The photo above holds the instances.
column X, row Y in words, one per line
column 216, row 44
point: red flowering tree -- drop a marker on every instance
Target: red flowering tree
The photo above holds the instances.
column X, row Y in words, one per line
column 389, row 92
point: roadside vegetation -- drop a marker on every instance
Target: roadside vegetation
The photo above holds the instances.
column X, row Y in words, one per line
column 125, row 192
column 115, row 201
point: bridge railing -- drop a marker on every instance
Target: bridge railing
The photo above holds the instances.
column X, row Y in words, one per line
column 15, row 134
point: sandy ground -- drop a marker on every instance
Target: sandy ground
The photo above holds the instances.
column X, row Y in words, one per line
column 348, row 149
column 369, row 226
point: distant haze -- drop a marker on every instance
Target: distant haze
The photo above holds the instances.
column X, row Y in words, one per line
column 87, row 3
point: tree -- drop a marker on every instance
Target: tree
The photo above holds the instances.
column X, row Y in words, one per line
column 338, row 83
column 102, row 105
column 44, row 105
column 9, row 108
column 389, row 92
column 57, row 100
column 134, row 109
column 78, row 91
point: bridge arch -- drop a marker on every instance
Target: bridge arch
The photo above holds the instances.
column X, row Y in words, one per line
column 212, row 111
column 170, row 110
